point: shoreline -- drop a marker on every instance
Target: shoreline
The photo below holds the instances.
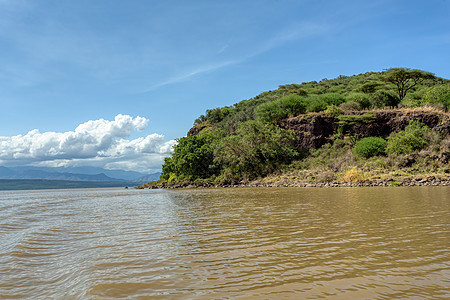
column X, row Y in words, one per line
column 406, row 182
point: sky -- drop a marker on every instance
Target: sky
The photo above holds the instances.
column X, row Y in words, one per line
column 113, row 83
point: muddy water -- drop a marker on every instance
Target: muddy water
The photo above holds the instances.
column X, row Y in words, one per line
column 291, row 243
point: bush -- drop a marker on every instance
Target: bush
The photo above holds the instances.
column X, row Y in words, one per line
column 413, row 138
column 271, row 112
column 370, row 146
column 316, row 104
column 353, row 175
column 293, row 104
column 216, row 115
column 445, row 101
column 439, row 95
column 362, row 99
column 333, row 111
column 332, row 98
column 256, row 150
column 370, row 87
column 321, row 102
column 381, row 99
column 350, row 105
column 192, row 158
column 366, row 118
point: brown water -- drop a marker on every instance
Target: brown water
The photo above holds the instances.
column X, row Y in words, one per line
column 291, row 243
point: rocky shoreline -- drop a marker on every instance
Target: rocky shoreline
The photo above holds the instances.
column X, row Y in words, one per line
column 418, row 181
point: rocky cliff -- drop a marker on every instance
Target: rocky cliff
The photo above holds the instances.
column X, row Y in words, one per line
column 316, row 129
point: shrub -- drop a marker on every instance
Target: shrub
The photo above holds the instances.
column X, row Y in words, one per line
column 333, row 111
column 370, row 146
column 381, row 99
column 439, row 95
column 293, row 104
column 370, row 87
column 413, row 138
column 256, row 150
column 316, row 104
column 192, row 158
column 271, row 112
column 366, row 118
column 445, row 101
column 332, row 98
column 216, row 115
column 362, row 99
column 353, row 175
column 320, row 102
column 350, row 105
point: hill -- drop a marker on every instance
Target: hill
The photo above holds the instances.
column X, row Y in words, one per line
column 385, row 126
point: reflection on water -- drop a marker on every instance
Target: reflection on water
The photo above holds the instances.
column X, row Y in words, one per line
column 344, row 243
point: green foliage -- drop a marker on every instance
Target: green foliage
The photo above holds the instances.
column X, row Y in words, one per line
column 293, row 104
column 368, row 90
column 321, row 102
column 370, row 146
column 353, row 119
column 274, row 111
column 200, row 120
column 256, row 150
column 350, row 105
column 333, row 111
column 370, row 87
column 438, row 95
column 332, row 98
column 271, row 112
column 243, row 141
column 445, row 101
column 295, row 89
column 192, row 158
column 168, row 168
column 414, row 137
column 380, row 99
column 406, row 79
column 316, row 104
column 362, row 99
column 218, row 114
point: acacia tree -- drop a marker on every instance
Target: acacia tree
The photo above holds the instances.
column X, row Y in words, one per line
column 405, row 79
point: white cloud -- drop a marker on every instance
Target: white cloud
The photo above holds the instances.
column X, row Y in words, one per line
column 98, row 142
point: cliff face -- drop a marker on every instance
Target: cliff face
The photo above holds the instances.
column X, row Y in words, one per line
column 315, row 130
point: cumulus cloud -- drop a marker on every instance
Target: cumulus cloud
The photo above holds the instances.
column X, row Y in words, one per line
column 97, row 142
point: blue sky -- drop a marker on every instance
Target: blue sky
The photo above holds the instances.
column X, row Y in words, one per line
column 65, row 63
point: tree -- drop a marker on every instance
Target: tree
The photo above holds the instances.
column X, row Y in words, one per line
column 256, row 150
column 192, row 158
column 405, row 79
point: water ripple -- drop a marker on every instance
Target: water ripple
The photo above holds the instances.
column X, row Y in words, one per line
column 368, row 243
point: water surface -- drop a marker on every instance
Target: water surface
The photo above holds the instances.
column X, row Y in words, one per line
column 305, row 243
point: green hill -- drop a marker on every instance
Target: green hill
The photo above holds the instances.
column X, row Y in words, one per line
column 377, row 125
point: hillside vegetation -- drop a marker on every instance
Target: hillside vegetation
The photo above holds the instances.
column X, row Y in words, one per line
column 391, row 125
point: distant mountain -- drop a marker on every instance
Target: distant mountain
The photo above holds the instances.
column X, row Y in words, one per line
column 5, row 172
column 147, row 178
column 37, row 184
column 119, row 174
column 76, row 174
column 19, row 173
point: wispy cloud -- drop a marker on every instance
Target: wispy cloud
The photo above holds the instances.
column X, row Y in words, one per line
column 292, row 33
column 190, row 74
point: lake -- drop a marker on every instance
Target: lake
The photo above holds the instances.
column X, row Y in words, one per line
column 264, row 243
